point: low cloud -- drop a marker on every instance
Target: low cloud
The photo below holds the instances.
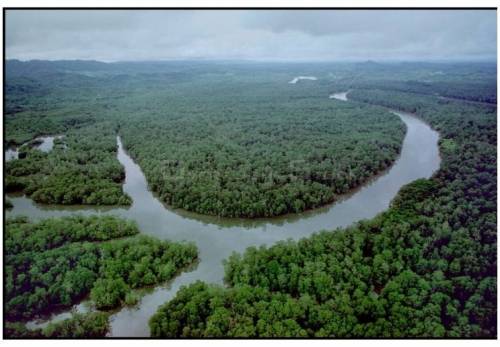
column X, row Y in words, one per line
column 245, row 34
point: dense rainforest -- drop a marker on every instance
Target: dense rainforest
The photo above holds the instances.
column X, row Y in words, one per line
column 225, row 139
column 236, row 139
column 55, row 263
column 425, row 268
column 250, row 150
column 245, row 145
column 80, row 169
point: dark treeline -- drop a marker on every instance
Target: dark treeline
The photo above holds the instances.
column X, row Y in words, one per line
column 479, row 91
column 467, row 81
column 55, row 263
column 425, row 268
column 8, row 204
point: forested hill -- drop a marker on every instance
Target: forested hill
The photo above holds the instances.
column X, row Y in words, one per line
column 425, row 268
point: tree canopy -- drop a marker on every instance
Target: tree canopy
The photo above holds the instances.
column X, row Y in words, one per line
column 425, row 268
column 55, row 263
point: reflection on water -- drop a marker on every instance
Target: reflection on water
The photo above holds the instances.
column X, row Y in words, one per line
column 216, row 238
column 11, row 153
column 47, row 142
column 298, row 78
column 340, row 96
column 43, row 143
column 83, row 307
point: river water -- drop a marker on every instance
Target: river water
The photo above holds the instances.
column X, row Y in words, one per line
column 298, row 78
column 44, row 143
column 216, row 238
column 339, row 96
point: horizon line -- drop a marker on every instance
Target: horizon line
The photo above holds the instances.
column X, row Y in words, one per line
column 249, row 60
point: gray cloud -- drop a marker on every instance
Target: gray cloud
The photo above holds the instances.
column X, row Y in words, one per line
column 246, row 34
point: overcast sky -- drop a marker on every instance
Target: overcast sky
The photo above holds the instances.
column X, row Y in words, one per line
column 256, row 35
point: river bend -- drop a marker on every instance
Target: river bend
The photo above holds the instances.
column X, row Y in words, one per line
column 216, row 238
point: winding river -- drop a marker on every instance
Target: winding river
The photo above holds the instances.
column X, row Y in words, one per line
column 216, row 238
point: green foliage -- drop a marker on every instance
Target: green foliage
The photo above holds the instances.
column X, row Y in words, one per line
column 238, row 140
column 17, row 330
column 472, row 81
column 51, row 264
column 89, row 325
column 425, row 268
column 131, row 299
column 108, row 292
column 23, row 236
column 235, row 141
column 8, row 204
column 416, row 191
column 239, row 148
column 81, row 169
